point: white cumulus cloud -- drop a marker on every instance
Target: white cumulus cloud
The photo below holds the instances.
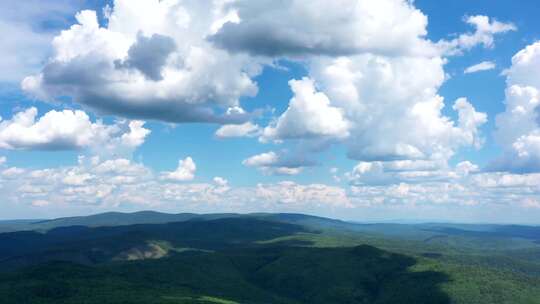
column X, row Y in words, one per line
column 150, row 61
column 518, row 127
column 278, row 163
column 297, row 27
column 247, row 129
column 184, row 172
column 395, row 112
column 484, row 34
column 309, row 114
column 68, row 130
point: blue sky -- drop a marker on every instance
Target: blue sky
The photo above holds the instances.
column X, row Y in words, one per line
column 240, row 106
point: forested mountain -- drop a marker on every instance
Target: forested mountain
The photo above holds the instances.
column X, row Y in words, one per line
column 150, row 257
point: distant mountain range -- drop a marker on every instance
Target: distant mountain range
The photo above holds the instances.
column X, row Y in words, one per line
column 148, row 217
column 113, row 219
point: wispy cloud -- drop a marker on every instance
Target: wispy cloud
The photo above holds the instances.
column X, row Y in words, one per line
column 482, row 66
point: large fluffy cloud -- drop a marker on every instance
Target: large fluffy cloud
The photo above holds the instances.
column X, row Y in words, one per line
column 68, row 130
column 152, row 61
column 518, row 128
column 298, row 27
column 309, row 115
column 395, row 112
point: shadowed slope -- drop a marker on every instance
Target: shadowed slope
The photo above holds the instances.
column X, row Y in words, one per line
column 360, row 274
